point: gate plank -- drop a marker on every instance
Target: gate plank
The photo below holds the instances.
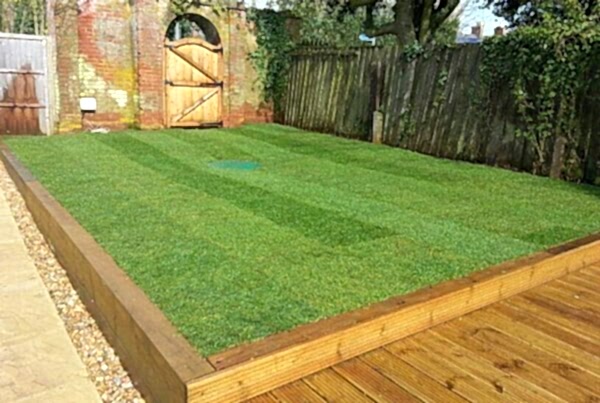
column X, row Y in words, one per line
column 193, row 84
column 196, row 104
column 195, row 65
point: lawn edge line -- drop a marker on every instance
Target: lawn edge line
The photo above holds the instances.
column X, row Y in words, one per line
column 159, row 359
column 249, row 370
column 169, row 369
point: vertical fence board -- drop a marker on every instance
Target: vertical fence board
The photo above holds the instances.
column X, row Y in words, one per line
column 337, row 91
column 24, row 104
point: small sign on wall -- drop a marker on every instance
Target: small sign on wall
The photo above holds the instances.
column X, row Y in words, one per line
column 87, row 104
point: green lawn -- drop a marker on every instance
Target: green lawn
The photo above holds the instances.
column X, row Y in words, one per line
column 321, row 226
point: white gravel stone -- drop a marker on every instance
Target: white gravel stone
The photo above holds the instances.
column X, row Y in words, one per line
column 103, row 366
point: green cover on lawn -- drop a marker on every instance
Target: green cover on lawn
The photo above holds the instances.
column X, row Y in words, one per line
column 239, row 234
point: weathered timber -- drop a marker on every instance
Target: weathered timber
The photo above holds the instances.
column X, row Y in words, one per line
column 167, row 368
column 433, row 105
column 159, row 360
column 249, row 370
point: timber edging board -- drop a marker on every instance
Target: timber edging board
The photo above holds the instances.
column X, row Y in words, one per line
column 250, row 370
column 168, row 369
column 159, row 360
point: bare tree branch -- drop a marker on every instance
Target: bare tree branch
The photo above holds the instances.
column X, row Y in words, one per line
column 385, row 29
column 441, row 15
column 362, row 3
column 425, row 27
column 414, row 20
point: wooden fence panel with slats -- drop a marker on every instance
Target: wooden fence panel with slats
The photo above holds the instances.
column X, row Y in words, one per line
column 24, row 105
column 432, row 105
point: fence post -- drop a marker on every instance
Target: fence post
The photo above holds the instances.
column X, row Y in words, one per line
column 377, row 127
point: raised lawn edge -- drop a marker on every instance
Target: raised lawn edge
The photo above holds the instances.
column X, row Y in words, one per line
column 159, row 359
column 167, row 368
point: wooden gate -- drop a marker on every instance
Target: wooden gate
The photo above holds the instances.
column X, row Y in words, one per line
column 24, row 85
column 193, row 83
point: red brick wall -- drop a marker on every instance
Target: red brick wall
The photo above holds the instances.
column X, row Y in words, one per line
column 106, row 62
column 113, row 51
column 244, row 94
column 64, row 26
column 152, row 20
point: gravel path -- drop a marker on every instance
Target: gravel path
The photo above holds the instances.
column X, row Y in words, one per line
column 103, row 365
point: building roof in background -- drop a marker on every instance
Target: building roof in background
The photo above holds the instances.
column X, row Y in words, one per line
column 475, row 13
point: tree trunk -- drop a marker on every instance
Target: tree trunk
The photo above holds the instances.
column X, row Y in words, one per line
column 558, row 158
column 403, row 24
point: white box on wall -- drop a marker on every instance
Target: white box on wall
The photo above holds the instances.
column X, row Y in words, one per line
column 87, row 104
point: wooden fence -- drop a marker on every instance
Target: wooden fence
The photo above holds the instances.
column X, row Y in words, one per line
column 24, row 91
column 432, row 105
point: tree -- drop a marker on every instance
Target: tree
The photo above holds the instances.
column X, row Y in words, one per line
column 550, row 65
column 413, row 20
column 531, row 12
column 339, row 22
column 23, row 16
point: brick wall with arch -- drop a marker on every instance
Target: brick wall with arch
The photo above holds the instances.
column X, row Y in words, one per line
column 113, row 51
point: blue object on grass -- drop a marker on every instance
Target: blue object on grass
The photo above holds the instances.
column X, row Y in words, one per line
column 235, row 165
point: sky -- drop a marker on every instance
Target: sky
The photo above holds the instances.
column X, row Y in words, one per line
column 474, row 13
column 471, row 16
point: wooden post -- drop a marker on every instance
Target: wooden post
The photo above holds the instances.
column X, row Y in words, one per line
column 377, row 85
column 377, row 127
column 558, row 158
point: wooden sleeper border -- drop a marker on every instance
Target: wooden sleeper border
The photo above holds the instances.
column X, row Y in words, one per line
column 167, row 368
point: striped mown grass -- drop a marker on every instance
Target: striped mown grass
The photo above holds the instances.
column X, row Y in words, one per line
column 240, row 233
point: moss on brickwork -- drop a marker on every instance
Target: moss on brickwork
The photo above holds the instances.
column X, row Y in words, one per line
column 113, row 52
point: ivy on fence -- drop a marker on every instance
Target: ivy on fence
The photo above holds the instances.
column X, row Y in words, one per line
column 272, row 56
column 546, row 67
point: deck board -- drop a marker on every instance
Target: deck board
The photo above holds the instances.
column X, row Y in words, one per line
column 536, row 365
column 371, row 382
column 335, row 388
column 461, row 353
column 452, row 376
column 297, row 391
column 540, row 345
column 581, row 285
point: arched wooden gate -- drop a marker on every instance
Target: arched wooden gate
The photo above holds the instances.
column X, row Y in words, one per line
column 193, row 83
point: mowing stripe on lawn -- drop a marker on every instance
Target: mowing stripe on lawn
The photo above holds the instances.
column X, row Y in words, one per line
column 514, row 196
column 324, row 226
column 472, row 243
column 312, row 222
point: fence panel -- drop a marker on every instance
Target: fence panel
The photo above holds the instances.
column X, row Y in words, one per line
column 24, row 92
column 432, row 105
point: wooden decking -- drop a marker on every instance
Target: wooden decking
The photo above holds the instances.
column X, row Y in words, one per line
column 541, row 345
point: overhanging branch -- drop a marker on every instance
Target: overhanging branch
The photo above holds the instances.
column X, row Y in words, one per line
column 354, row 4
column 444, row 12
column 386, row 29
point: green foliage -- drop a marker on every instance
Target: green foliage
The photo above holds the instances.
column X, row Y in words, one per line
column 445, row 35
column 546, row 67
column 182, row 28
column 440, row 96
column 181, row 7
column 407, row 127
column 23, row 16
column 412, row 51
column 272, row 56
column 533, row 12
column 325, row 225
column 333, row 23
column 323, row 24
